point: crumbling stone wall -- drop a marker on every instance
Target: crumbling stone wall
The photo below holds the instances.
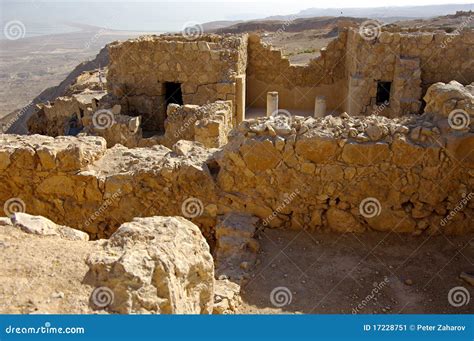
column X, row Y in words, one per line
column 297, row 85
column 206, row 68
column 123, row 129
column 208, row 124
column 411, row 174
column 76, row 181
column 349, row 68
column 411, row 61
column 350, row 174
column 55, row 119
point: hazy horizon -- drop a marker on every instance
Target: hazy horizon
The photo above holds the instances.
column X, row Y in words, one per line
column 52, row 17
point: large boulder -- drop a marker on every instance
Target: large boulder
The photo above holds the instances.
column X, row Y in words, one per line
column 441, row 99
column 156, row 265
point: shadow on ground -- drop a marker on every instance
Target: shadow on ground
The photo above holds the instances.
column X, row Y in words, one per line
column 357, row 273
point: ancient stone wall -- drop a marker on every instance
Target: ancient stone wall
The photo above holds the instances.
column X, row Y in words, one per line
column 411, row 61
column 297, row 85
column 64, row 114
column 76, row 181
column 389, row 177
column 208, row 124
column 351, row 174
column 410, row 174
column 206, row 68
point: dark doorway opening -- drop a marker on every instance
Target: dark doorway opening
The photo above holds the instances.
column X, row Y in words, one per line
column 72, row 127
column 383, row 92
column 173, row 93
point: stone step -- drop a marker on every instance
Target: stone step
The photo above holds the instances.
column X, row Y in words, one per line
column 236, row 224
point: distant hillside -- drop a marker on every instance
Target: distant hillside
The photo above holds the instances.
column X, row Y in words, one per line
column 385, row 12
column 215, row 25
column 296, row 25
column 317, row 16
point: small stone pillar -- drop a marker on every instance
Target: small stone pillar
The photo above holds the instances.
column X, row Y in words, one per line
column 272, row 102
column 239, row 98
column 320, row 106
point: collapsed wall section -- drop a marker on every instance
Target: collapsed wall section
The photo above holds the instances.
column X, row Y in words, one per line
column 320, row 175
column 208, row 124
column 350, row 174
column 297, row 85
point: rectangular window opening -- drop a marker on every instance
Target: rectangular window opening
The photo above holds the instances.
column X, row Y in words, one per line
column 173, row 93
column 383, row 92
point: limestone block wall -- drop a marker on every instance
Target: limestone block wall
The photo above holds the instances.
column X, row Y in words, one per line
column 297, row 85
column 77, row 182
column 339, row 174
column 123, row 129
column 351, row 174
column 411, row 61
column 206, row 68
column 54, row 119
column 348, row 174
column 208, row 124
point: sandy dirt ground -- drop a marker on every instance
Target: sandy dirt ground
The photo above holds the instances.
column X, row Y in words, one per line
column 324, row 273
column 42, row 275
column 334, row 273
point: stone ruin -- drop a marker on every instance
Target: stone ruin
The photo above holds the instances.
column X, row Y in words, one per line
column 223, row 131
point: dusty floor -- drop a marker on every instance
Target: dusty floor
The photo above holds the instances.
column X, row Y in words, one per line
column 334, row 273
column 325, row 273
column 41, row 275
